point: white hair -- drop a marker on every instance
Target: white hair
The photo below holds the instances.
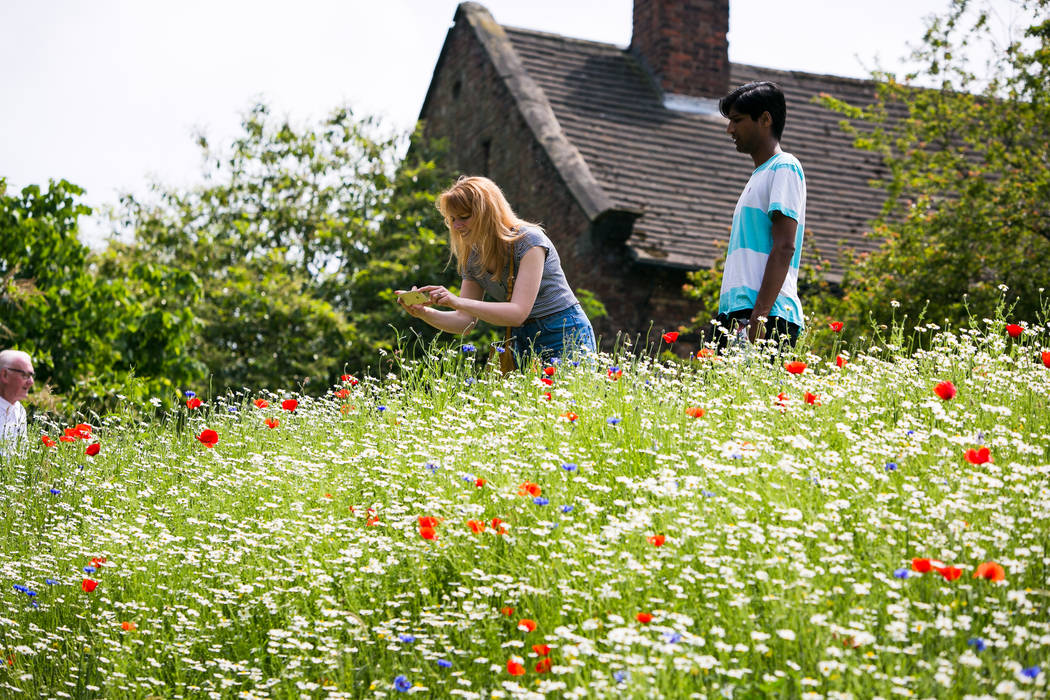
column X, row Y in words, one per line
column 7, row 357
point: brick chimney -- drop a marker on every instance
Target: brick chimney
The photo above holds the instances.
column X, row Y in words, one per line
column 683, row 43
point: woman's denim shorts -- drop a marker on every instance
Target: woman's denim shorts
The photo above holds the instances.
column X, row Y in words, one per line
column 555, row 335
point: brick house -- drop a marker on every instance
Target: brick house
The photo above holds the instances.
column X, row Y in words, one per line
column 623, row 157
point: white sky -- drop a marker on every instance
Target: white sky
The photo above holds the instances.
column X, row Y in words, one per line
column 107, row 94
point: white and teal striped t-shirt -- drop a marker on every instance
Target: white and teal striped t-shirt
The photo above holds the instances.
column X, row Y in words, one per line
column 776, row 185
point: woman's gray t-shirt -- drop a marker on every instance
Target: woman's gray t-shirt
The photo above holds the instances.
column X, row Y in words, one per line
column 554, row 293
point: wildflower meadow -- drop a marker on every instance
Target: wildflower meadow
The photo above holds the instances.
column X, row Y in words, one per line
column 873, row 522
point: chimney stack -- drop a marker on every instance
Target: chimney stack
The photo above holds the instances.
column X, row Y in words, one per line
column 683, row 43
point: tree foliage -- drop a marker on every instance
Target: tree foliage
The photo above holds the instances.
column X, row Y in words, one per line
column 88, row 330
column 969, row 174
column 300, row 235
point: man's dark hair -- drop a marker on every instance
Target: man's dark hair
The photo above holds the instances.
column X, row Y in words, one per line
column 755, row 98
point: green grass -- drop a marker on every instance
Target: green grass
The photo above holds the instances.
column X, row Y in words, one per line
column 250, row 569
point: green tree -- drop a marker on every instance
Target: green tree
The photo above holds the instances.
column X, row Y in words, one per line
column 300, row 235
column 89, row 330
column 969, row 174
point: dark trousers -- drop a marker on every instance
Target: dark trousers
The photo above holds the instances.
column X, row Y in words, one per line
column 777, row 329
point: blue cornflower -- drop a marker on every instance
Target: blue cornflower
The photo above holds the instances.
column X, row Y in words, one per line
column 569, row 467
column 444, row 663
column 406, row 638
column 380, row 408
column 30, row 592
column 891, row 466
column 1030, row 672
column 468, row 381
column 672, row 637
column 55, row 492
column 977, row 643
column 231, row 409
column 499, row 348
column 910, row 432
column 20, row 588
column 707, row 494
column 621, row 676
column 468, row 348
column 468, row 477
column 431, row 467
column 614, row 369
column 613, row 421
column 900, row 573
column 555, row 360
column 566, row 509
column 541, row 500
column 190, row 394
column 402, row 684
column 90, row 569
column 52, row 582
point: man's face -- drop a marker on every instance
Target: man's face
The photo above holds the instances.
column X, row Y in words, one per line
column 744, row 131
column 16, row 380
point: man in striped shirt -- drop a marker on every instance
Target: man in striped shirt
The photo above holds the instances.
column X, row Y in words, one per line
column 760, row 279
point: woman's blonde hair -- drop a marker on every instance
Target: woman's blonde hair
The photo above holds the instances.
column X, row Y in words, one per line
column 493, row 224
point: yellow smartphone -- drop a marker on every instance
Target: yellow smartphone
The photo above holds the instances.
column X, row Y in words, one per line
column 414, row 298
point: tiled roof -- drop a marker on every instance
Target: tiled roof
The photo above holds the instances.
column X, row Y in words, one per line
column 680, row 169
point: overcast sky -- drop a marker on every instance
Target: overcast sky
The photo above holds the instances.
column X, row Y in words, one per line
column 108, row 93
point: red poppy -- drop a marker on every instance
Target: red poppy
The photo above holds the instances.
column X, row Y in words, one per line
column 695, row 412
column 527, row 625
column 541, row 649
column 128, row 626
column 514, row 668
column 547, row 380
column 88, row 585
column 704, row 352
column 344, row 377
column 979, row 456
column 48, row 442
column 261, row 403
column 946, row 390
column 371, row 521
column 272, row 423
column 428, row 521
column 836, row 326
column 570, row 416
column 921, row 565
column 950, row 573
column 1014, row 330
column 209, row 438
column 795, row 367
column 547, row 395
column 506, row 610
column 990, row 570
column 811, row 399
column 543, row 665
column 289, row 404
column 349, row 378
column 840, row 361
column 529, row 489
column 656, row 540
column 670, row 336
column 67, row 437
column 1046, row 358
column 644, row 617
column 92, row 449
column 549, row 371
column 478, row 483
column 342, row 393
column 193, row 403
column 614, row 374
column 476, row 526
column 98, row 561
column 497, row 525
column 782, row 400
column 428, row 533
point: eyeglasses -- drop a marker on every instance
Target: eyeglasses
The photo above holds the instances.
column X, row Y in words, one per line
column 27, row 375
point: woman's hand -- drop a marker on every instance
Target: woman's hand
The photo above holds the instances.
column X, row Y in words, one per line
column 440, row 296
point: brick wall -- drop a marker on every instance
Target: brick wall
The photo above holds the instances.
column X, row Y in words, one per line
column 683, row 43
column 470, row 106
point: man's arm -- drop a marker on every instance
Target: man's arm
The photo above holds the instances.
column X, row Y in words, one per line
column 784, row 229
